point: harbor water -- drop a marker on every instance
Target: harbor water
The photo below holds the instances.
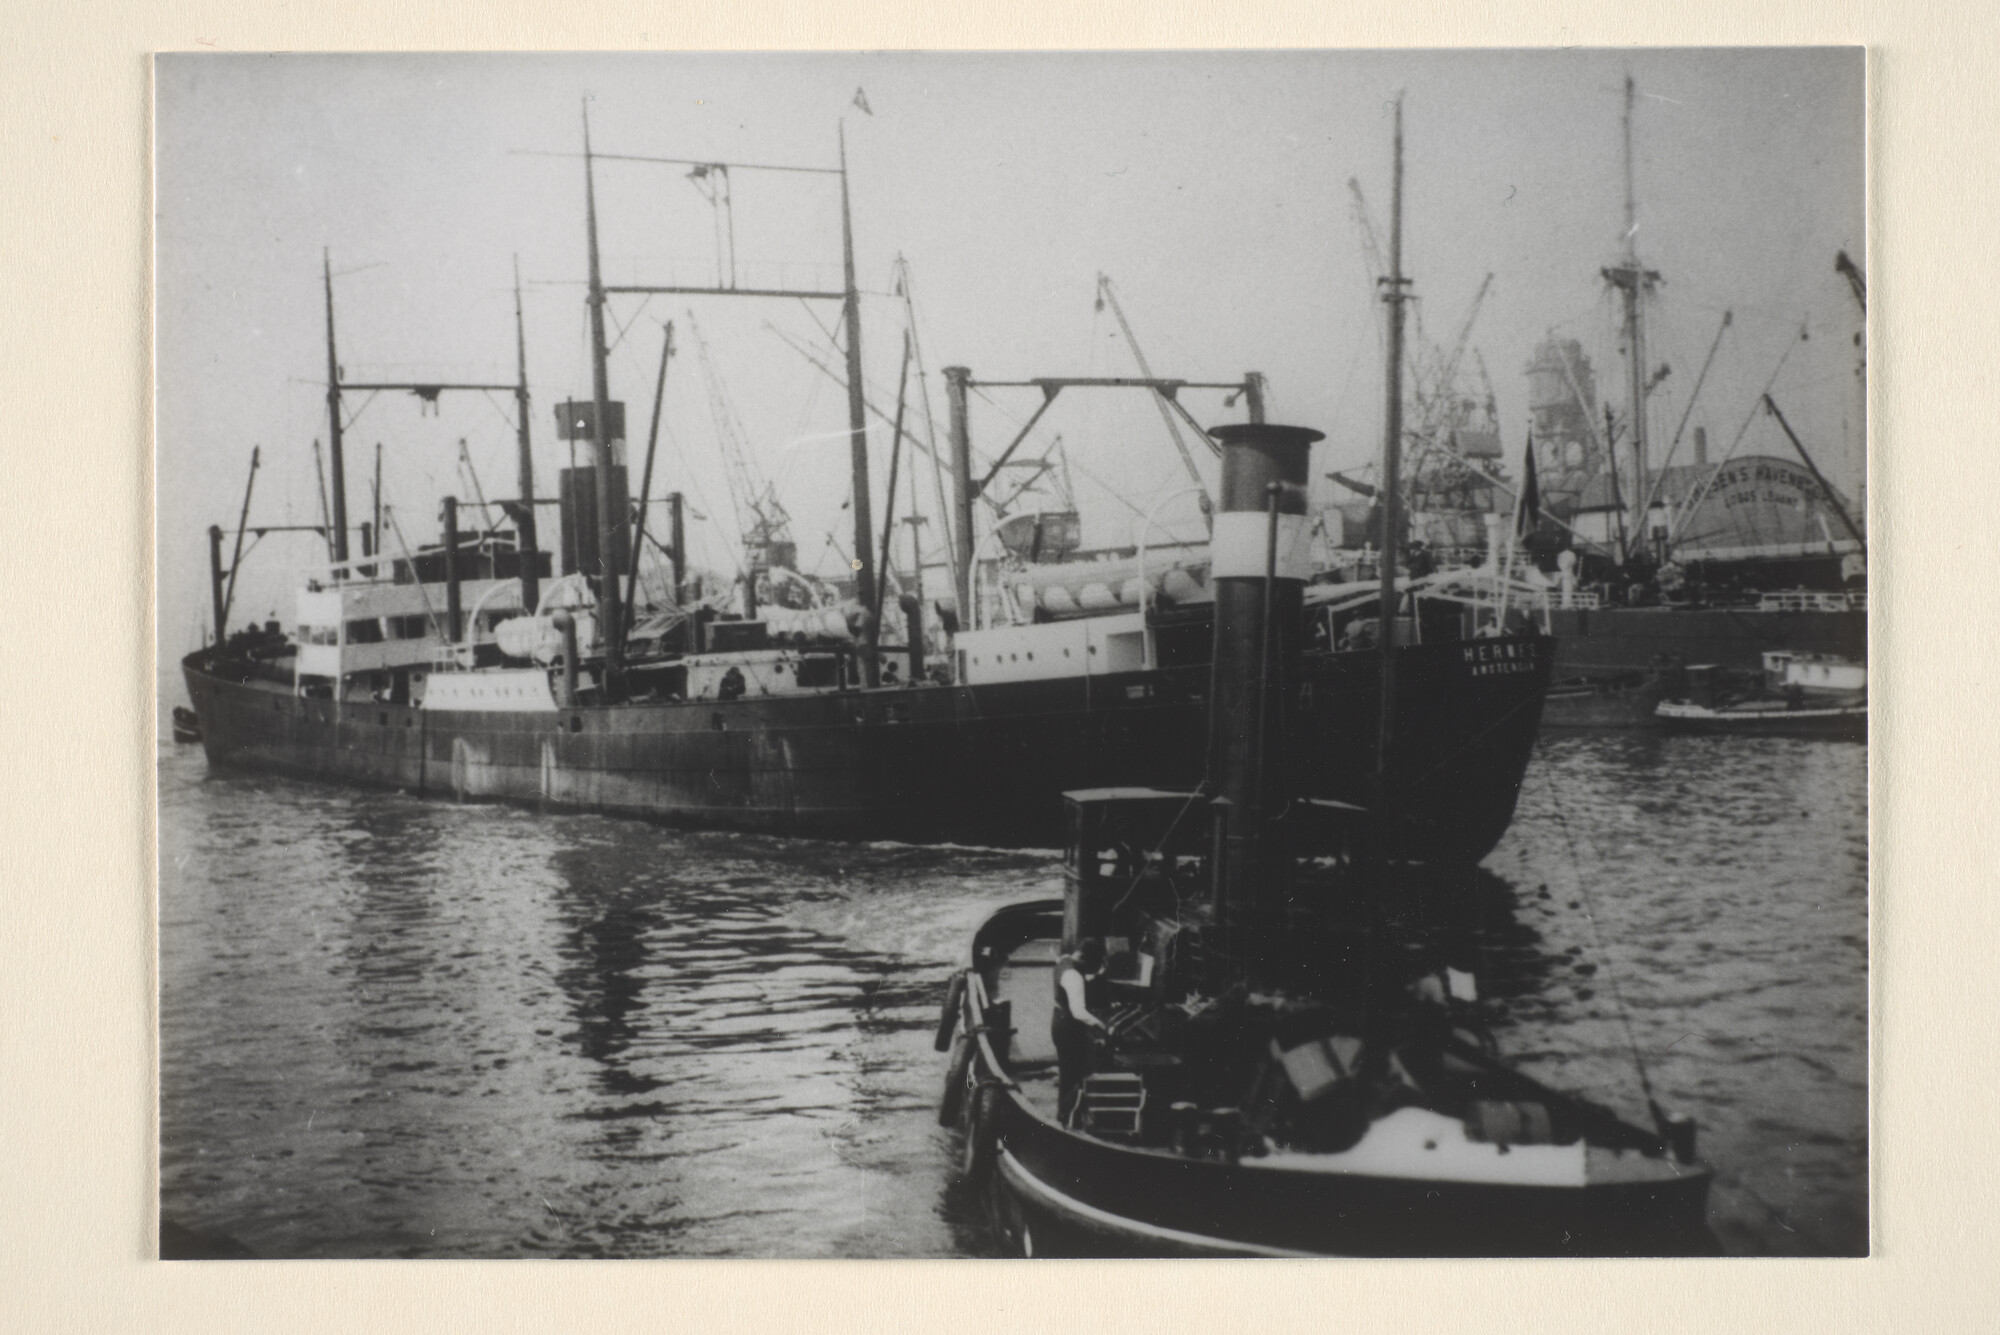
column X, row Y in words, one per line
column 393, row 1027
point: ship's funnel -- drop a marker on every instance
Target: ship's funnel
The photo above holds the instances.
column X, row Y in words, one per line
column 1259, row 554
column 576, row 423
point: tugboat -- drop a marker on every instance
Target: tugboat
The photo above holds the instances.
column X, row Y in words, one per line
column 1238, row 1034
column 1263, row 1039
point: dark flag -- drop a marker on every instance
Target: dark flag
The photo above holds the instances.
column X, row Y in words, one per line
column 861, row 100
column 1528, row 513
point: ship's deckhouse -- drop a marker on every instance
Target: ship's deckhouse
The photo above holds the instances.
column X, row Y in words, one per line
column 760, row 672
column 376, row 626
column 1086, row 647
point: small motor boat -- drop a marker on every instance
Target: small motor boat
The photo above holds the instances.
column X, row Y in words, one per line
column 1799, row 696
column 187, row 725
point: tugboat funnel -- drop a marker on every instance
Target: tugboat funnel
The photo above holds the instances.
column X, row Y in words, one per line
column 1259, row 556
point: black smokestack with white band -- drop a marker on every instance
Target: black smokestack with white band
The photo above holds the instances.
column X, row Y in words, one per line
column 1260, row 560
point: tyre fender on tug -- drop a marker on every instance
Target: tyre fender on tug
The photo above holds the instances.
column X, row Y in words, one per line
column 954, row 999
column 982, row 1131
column 952, row 1102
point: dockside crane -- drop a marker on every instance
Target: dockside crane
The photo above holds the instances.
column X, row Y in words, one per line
column 765, row 525
column 1107, row 296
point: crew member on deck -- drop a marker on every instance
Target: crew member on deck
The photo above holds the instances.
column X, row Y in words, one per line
column 1071, row 1024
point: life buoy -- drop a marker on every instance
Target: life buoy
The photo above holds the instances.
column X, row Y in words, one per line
column 982, row 1133
column 953, row 1100
column 948, row 1018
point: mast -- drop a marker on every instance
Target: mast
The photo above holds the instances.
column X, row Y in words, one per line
column 646, row 480
column 945, row 512
column 914, row 595
column 881, row 589
column 333, row 418
column 325, row 515
column 1633, row 282
column 956, row 380
column 1617, row 492
column 528, row 546
column 610, row 621
column 236, row 556
column 857, row 422
column 677, row 540
column 1396, row 296
column 215, row 580
column 1858, row 283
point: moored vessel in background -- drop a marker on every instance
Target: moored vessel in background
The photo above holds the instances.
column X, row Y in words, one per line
column 1653, row 552
column 1711, row 561
column 1798, row 696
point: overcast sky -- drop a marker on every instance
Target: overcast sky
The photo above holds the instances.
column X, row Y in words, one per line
column 1211, row 188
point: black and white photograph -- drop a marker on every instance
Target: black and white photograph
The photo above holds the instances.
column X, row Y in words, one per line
column 1095, row 654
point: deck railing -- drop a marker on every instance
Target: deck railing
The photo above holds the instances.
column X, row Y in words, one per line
column 1801, row 600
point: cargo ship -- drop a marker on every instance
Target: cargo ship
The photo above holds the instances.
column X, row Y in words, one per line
column 1713, row 561
column 1652, row 554
column 474, row 668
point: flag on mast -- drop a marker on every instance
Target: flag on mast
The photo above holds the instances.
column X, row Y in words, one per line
column 1528, row 506
column 861, row 100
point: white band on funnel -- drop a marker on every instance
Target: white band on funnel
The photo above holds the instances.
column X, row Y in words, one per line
column 1240, row 544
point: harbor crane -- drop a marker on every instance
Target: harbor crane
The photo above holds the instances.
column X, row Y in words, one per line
column 765, row 524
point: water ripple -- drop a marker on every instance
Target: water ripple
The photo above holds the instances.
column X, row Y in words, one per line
column 393, row 1027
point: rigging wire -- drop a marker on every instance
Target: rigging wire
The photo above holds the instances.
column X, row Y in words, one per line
column 1686, row 513
column 1114, row 492
column 1597, row 937
column 389, row 513
column 623, row 329
column 945, row 518
column 505, row 416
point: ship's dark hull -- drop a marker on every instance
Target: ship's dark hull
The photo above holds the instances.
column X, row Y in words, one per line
column 1613, row 640
column 985, row 764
